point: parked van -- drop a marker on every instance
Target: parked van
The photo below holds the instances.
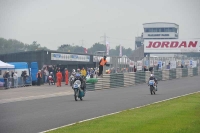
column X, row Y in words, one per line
column 31, row 71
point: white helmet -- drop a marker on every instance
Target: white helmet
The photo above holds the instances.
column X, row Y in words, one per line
column 151, row 75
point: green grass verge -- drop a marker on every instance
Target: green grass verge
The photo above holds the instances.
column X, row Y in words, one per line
column 181, row 115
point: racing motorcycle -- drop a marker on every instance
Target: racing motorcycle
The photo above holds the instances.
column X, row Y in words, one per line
column 152, row 87
column 51, row 80
column 71, row 80
column 78, row 92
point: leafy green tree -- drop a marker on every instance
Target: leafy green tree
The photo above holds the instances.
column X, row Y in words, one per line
column 10, row 46
column 97, row 47
column 35, row 46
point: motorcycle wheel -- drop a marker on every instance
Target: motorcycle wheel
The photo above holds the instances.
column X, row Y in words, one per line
column 76, row 95
column 81, row 98
column 154, row 91
column 151, row 90
column 49, row 82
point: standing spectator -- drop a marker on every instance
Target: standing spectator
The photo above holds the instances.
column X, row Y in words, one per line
column 12, row 78
column 145, row 68
column 134, row 69
column 59, row 78
column 88, row 72
column 151, row 69
column 6, row 76
column 15, row 76
column 181, row 65
column 91, row 73
column 46, row 74
column 39, row 77
column 157, row 67
column 23, row 77
column 83, row 72
column 102, row 62
column 66, row 76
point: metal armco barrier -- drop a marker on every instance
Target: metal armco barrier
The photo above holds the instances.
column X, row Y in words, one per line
column 184, row 72
column 195, row 71
column 172, row 74
column 178, row 73
column 139, row 77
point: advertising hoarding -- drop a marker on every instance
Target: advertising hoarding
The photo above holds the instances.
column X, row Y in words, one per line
column 139, row 65
column 70, row 57
column 172, row 64
column 172, row 46
column 150, row 35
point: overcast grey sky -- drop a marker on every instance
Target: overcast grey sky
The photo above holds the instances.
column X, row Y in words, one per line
column 55, row 22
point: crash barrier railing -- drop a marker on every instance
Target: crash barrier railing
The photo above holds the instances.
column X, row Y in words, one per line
column 139, row 77
column 16, row 82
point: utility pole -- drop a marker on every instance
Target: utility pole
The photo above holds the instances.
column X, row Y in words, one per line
column 82, row 42
column 105, row 38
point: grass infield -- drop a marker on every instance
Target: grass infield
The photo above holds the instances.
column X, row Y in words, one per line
column 180, row 115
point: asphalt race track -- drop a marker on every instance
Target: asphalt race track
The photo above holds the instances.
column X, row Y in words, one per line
column 38, row 115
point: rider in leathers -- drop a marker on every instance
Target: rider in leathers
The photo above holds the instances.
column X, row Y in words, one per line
column 152, row 77
column 79, row 77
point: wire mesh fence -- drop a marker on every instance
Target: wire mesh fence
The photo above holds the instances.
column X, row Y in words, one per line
column 16, row 82
column 132, row 64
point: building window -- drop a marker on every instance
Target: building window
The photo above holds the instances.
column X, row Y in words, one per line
column 175, row 30
column 150, row 29
column 166, row 30
column 154, row 29
column 170, row 29
column 146, row 30
column 162, row 30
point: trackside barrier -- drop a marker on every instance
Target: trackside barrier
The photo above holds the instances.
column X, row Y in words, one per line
column 106, row 81
column 158, row 75
column 17, row 82
column 198, row 70
column 184, row 72
column 190, row 72
column 133, row 78
column 165, row 75
column 195, row 71
column 140, row 77
column 178, row 73
column 147, row 75
column 116, row 80
column 172, row 74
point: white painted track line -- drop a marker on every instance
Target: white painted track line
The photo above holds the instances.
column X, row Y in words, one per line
column 35, row 97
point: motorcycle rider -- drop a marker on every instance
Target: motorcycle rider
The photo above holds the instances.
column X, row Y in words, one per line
column 52, row 75
column 79, row 77
column 152, row 77
column 73, row 72
column 71, row 80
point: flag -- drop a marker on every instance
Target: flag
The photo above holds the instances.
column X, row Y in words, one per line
column 120, row 50
column 107, row 48
column 85, row 50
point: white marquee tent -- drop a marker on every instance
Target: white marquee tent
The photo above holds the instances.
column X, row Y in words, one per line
column 5, row 65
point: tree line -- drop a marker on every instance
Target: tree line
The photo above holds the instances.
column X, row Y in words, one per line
column 13, row 46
